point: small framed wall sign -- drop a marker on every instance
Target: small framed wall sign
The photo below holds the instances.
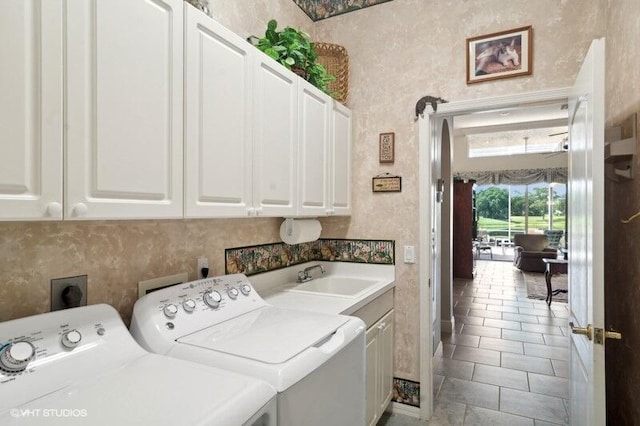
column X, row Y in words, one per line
column 387, row 148
column 386, row 183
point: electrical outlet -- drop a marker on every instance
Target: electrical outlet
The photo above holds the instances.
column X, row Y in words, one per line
column 203, row 262
column 69, row 292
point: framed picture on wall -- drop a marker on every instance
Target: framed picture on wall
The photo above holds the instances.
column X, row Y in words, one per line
column 500, row 55
column 387, row 147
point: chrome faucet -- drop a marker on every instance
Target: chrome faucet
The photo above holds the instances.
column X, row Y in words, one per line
column 304, row 276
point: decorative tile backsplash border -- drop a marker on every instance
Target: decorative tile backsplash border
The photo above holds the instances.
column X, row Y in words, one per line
column 406, row 392
column 322, row 9
column 253, row 260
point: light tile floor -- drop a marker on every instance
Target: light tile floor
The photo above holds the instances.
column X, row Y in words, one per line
column 506, row 361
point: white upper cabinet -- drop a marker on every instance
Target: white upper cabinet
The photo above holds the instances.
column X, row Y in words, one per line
column 275, row 138
column 314, row 112
column 340, row 161
column 31, row 110
column 218, row 124
column 124, row 109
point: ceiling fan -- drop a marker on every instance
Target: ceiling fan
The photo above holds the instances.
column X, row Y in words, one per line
column 562, row 147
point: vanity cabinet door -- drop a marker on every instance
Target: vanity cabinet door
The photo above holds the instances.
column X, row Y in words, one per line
column 218, row 124
column 31, row 109
column 385, row 326
column 124, row 101
column 379, row 359
column 372, row 382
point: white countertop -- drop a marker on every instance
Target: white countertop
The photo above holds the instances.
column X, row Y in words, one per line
column 272, row 287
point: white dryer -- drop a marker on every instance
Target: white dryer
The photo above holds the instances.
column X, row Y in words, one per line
column 81, row 366
column 316, row 362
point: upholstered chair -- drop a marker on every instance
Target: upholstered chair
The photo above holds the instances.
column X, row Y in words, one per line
column 530, row 249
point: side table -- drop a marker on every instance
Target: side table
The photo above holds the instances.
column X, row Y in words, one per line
column 554, row 266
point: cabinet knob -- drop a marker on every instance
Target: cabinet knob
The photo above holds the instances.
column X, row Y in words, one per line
column 382, row 325
column 54, row 209
column 80, row 210
column 258, row 211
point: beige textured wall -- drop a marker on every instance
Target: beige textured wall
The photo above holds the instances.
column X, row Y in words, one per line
column 622, row 242
column 250, row 17
column 114, row 254
column 402, row 50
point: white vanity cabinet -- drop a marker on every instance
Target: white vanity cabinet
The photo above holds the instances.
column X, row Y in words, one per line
column 124, row 105
column 378, row 316
column 31, row 114
column 218, row 119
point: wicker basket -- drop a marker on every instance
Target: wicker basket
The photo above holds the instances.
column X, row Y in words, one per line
column 336, row 60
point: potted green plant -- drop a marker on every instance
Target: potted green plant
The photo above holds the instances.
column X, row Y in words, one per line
column 293, row 48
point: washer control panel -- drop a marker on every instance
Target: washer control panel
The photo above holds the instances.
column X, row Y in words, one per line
column 66, row 342
column 190, row 306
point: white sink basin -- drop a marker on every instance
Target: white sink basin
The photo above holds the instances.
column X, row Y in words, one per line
column 335, row 286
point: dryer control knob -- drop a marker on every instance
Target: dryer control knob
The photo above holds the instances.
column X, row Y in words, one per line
column 232, row 292
column 16, row 356
column 212, row 298
column 71, row 339
column 170, row 310
column 245, row 289
column 189, row 305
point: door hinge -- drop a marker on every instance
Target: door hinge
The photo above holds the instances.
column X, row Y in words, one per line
column 599, row 335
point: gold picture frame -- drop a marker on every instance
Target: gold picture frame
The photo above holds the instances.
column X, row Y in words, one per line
column 504, row 54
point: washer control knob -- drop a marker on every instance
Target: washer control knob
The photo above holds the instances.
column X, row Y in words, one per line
column 245, row 289
column 212, row 298
column 170, row 310
column 16, row 356
column 232, row 292
column 71, row 339
column 189, row 305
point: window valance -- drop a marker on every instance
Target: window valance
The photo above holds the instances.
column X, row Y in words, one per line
column 516, row 177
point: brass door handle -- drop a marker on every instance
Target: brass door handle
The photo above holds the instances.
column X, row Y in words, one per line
column 613, row 335
column 598, row 335
column 586, row 331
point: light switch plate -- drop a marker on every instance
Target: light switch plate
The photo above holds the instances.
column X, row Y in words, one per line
column 409, row 254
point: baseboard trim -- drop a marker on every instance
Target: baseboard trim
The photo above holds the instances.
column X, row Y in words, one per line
column 448, row 326
column 404, row 409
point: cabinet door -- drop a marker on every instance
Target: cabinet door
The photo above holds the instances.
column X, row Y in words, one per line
column 314, row 112
column 275, row 138
column 218, row 121
column 372, row 376
column 124, row 109
column 385, row 326
column 31, row 109
column 340, row 160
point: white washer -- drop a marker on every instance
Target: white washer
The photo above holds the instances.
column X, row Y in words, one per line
column 81, row 366
column 315, row 361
